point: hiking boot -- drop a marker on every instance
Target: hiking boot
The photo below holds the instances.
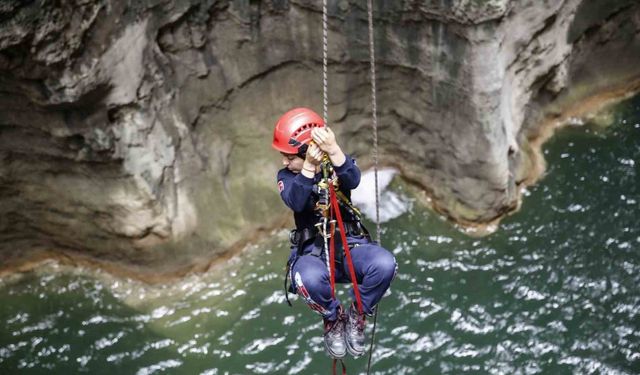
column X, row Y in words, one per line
column 354, row 335
column 334, row 336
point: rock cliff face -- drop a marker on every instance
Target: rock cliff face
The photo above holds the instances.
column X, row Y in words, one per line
column 139, row 133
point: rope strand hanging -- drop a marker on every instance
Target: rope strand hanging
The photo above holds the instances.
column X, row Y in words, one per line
column 325, row 117
column 374, row 111
column 374, row 114
column 325, row 84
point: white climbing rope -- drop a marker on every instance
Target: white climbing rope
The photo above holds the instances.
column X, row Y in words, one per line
column 374, row 113
column 325, row 94
column 325, row 110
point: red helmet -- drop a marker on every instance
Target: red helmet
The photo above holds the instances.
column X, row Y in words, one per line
column 293, row 129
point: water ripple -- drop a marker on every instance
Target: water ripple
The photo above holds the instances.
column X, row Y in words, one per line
column 159, row 367
column 258, row 345
column 553, row 291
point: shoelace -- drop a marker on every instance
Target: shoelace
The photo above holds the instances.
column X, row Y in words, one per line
column 357, row 328
column 335, row 327
column 359, row 322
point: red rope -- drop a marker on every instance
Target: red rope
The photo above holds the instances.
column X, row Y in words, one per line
column 344, row 368
column 332, row 262
column 335, row 209
column 352, row 271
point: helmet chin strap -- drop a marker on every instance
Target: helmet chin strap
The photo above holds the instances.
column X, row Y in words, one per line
column 302, row 151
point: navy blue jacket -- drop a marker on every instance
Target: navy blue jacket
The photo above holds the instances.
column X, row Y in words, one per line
column 301, row 193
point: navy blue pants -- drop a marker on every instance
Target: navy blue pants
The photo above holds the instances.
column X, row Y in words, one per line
column 375, row 268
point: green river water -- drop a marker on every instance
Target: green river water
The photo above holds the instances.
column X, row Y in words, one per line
column 553, row 291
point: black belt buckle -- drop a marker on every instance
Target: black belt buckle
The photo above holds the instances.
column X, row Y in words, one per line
column 353, row 228
column 307, row 234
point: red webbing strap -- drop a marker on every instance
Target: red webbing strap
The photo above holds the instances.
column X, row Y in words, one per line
column 332, row 261
column 344, row 368
column 352, row 271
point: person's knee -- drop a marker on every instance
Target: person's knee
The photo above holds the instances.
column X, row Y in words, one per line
column 385, row 266
column 313, row 279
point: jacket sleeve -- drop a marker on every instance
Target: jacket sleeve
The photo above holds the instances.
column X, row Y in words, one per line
column 295, row 189
column 348, row 174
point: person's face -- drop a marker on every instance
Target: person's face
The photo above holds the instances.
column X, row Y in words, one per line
column 292, row 162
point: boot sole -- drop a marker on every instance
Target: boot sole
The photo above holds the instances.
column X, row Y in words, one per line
column 352, row 351
column 332, row 354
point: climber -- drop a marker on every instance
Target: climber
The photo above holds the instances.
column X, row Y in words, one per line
column 303, row 140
